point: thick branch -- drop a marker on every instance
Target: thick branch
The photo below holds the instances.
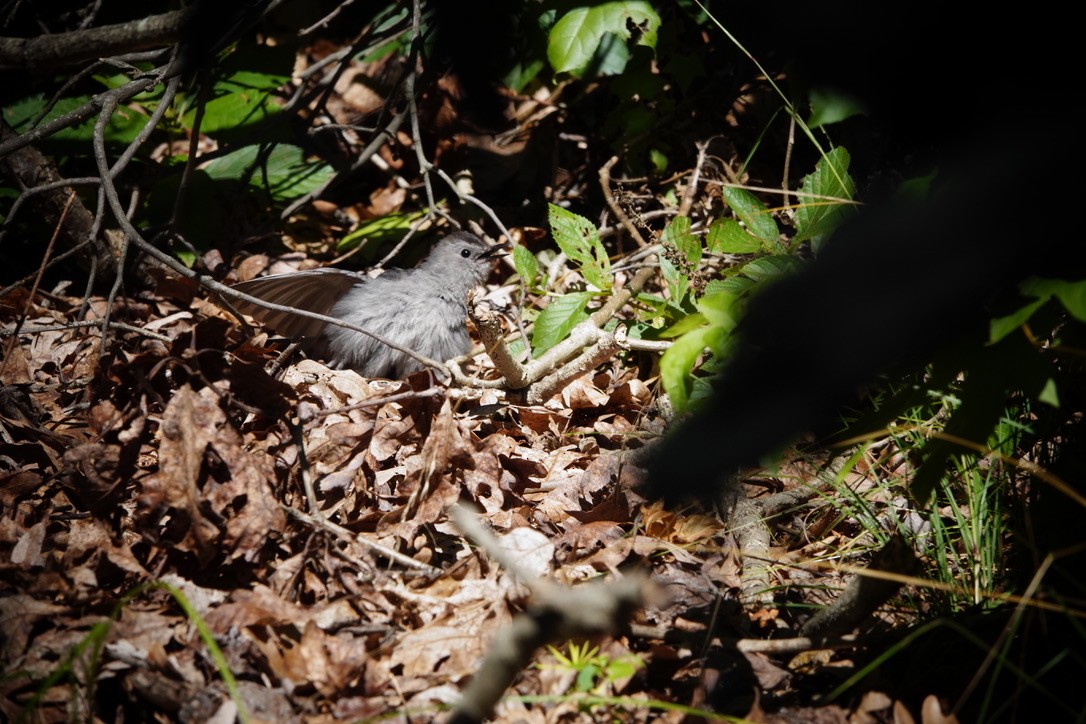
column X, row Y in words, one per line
column 28, row 169
column 80, row 45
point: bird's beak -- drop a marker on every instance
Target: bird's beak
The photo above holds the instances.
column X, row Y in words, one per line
column 494, row 251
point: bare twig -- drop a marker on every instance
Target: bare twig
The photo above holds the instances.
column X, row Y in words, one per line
column 346, row 535
column 555, row 613
column 86, row 323
column 612, row 203
column 34, row 287
column 111, row 98
column 387, row 134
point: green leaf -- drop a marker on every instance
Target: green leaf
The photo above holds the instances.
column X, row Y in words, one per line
column 726, row 236
column 677, row 282
column 283, row 172
column 818, row 216
column 658, row 160
column 1072, row 294
column 555, row 322
column 579, row 240
column 123, row 126
column 1048, row 394
column 717, row 308
column 526, row 264
column 1002, row 326
column 830, row 106
column 687, row 324
column 379, row 231
column 523, row 73
column 237, row 107
column 595, row 38
column 754, row 214
column 769, row 267
column 679, row 359
column 586, row 678
column 677, row 234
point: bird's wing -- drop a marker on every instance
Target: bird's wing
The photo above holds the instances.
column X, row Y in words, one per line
column 315, row 290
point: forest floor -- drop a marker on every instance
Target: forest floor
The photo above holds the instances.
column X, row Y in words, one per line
column 198, row 522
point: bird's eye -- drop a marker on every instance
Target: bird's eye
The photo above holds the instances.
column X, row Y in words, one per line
column 465, row 253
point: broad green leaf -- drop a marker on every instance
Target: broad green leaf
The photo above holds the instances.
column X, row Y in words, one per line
column 819, row 216
column 769, row 267
column 755, row 215
column 523, row 73
column 1049, row 394
column 1072, row 294
column 687, row 324
column 726, row 236
column 677, row 283
column 555, row 322
column 677, row 234
column 236, row 107
column 1002, row 326
column 717, row 308
column 830, row 106
column 526, row 264
column 678, row 361
column 917, row 188
column 123, row 127
column 579, row 239
column 379, row 231
column 283, row 172
column 595, row 38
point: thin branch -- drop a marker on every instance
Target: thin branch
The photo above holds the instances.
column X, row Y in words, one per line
column 86, row 323
column 111, row 99
column 612, row 203
column 373, row 147
column 34, row 288
column 555, row 613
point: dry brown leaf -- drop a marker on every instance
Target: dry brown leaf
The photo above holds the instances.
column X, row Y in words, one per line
column 451, row 650
column 581, row 393
column 193, row 427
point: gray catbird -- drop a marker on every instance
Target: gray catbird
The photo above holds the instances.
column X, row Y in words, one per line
column 423, row 309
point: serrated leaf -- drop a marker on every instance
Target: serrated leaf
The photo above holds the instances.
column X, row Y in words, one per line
column 754, row 214
column 769, row 267
column 595, row 39
column 579, row 239
column 726, row 236
column 677, row 234
column 818, row 216
column 526, row 264
column 677, row 283
column 555, row 322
